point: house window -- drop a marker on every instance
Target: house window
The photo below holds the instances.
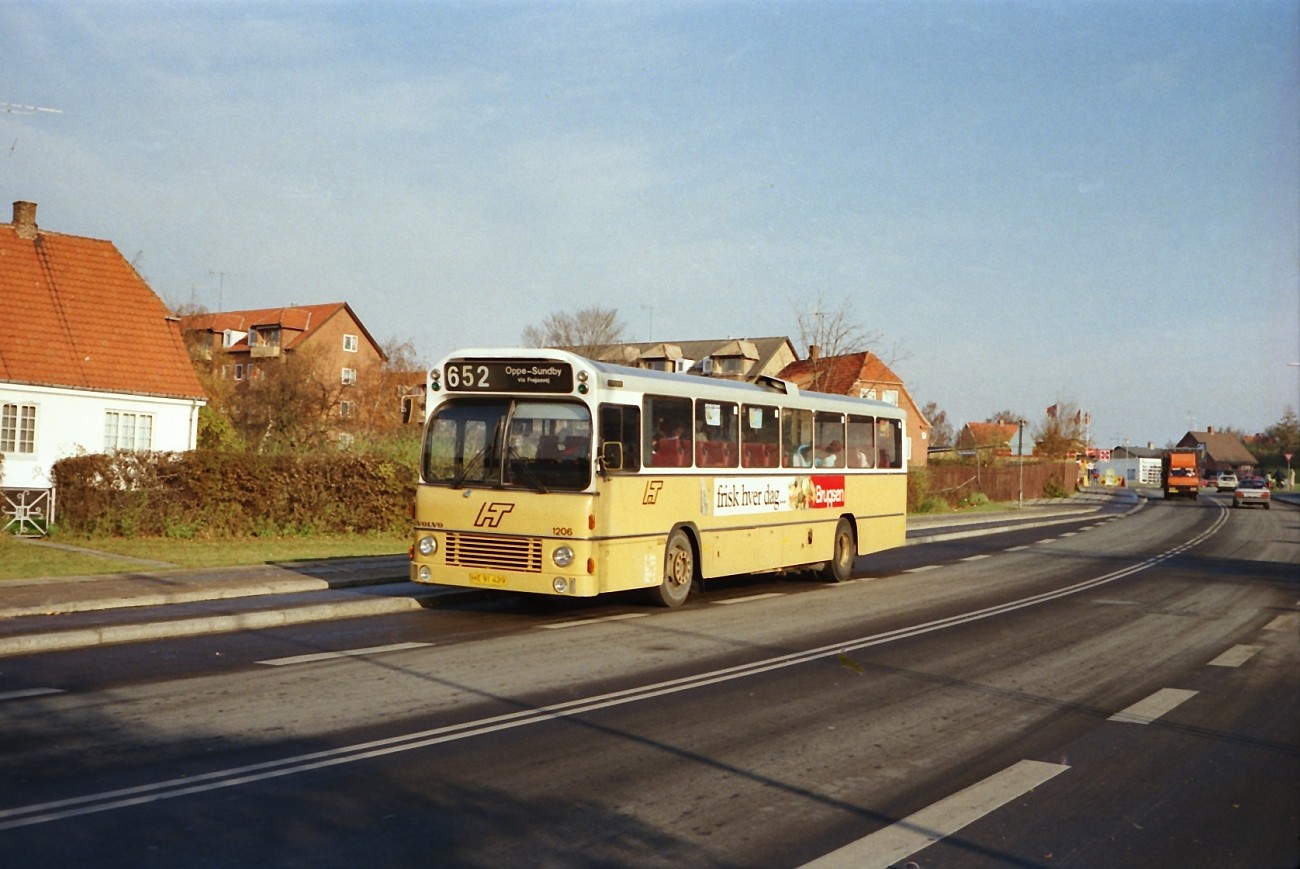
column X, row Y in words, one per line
column 239, row 371
column 128, row 431
column 18, row 428
column 229, row 337
column 868, row 392
column 351, row 343
column 349, row 376
column 347, row 408
column 891, row 397
column 345, row 441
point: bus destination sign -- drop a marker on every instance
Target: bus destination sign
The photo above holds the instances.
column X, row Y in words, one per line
column 511, row 375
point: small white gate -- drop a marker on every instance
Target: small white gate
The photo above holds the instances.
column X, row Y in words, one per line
column 27, row 512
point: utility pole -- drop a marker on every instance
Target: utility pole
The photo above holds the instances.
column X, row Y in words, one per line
column 1020, row 457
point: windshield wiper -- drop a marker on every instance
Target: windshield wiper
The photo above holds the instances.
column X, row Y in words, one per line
column 526, row 468
column 467, row 467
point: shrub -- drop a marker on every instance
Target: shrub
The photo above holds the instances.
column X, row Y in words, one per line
column 210, row 493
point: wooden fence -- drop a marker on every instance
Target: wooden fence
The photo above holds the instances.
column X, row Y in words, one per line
column 1002, row 482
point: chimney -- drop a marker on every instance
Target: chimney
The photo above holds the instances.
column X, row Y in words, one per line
column 814, row 352
column 1209, row 429
column 25, row 219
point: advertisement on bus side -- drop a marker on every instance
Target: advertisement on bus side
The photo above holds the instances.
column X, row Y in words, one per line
column 736, row 496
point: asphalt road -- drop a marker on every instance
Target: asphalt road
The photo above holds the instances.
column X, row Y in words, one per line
column 1116, row 691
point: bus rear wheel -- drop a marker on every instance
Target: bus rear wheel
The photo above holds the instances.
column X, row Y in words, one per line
column 843, row 551
column 679, row 570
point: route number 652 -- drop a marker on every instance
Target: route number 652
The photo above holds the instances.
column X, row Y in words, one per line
column 467, row 377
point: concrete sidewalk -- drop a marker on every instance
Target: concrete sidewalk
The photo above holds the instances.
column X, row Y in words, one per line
column 49, row 614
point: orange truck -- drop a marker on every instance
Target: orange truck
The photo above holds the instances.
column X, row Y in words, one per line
column 1180, row 472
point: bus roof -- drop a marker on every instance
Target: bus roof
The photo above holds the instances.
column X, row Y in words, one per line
column 613, row 377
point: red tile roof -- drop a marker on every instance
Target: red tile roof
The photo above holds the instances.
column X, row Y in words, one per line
column 76, row 314
column 297, row 323
column 839, row 374
column 985, row 434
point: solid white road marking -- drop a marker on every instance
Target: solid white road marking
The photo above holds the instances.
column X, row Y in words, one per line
column 618, row 617
column 1148, row 710
column 23, row 693
column 748, row 598
column 1236, row 656
column 349, row 653
column 898, row 841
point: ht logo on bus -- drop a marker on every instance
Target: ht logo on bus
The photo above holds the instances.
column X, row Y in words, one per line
column 490, row 515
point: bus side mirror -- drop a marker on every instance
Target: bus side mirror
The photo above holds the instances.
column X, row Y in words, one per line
column 611, row 455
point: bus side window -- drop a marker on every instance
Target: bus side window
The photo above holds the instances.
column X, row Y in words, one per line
column 715, row 435
column 862, row 442
column 890, row 443
column 667, row 426
column 620, row 424
column 796, row 439
column 760, row 436
column 829, row 441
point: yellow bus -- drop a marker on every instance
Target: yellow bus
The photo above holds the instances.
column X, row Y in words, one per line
column 542, row 471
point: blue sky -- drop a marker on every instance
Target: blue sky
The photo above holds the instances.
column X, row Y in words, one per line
column 1031, row 203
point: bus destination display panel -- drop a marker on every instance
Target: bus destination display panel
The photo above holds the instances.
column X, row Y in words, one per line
column 513, row 375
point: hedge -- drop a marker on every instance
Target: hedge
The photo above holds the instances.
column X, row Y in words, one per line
column 228, row 494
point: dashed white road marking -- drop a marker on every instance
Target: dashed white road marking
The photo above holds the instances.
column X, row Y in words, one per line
column 1284, row 622
column 347, row 653
column 1236, row 656
column 1016, row 548
column 24, row 693
column 922, row 569
column 900, row 840
column 1153, row 707
column 618, row 617
column 978, row 557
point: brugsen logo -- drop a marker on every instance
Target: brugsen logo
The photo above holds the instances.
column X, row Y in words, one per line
column 490, row 515
column 652, row 492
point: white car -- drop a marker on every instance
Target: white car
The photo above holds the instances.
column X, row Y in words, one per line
column 1251, row 491
column 1226, row 482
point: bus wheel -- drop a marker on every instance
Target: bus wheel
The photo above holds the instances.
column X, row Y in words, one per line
column 840, row 567
column 679, row 570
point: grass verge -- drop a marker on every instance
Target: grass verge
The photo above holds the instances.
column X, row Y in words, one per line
column 20, row 559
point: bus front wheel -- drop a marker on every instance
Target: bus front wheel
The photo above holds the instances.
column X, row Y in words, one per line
column 679, row 570
column 844, row 550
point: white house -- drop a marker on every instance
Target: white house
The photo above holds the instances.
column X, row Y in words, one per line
column 90, row 360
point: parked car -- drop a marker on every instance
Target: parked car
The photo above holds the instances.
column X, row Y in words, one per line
column 1250, row 492
column 1226, row 482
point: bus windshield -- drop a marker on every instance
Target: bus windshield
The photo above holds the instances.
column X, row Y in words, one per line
column 539, row 445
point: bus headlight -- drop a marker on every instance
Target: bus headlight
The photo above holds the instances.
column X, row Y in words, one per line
column 562, row 585
column 562, row 556
column 425, row 573
column 427, row 546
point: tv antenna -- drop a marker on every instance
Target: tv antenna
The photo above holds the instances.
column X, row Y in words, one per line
column 21, row 109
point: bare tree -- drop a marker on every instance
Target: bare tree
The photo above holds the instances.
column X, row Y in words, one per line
column 1062, row 431
column 834, row 332
column 941, row 435
column 584, row 331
